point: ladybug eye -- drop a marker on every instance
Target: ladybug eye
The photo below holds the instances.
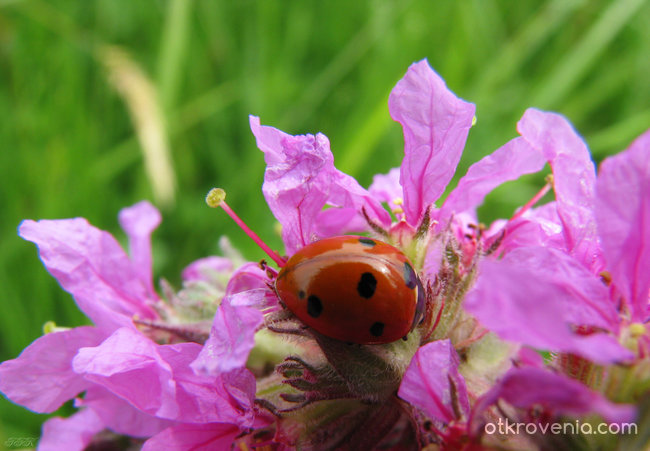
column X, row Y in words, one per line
column 367, row 285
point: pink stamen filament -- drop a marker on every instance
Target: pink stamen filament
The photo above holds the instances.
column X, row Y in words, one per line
column 536, row 198
column 270, row 252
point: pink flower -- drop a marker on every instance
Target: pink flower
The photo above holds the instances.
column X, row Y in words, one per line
column 554, row 395
column 133, row 385
column 434, row 385
column 553, row 296
column 149, row 369
column 301, row 179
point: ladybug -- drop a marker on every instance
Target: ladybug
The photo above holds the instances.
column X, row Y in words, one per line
column 352, row 288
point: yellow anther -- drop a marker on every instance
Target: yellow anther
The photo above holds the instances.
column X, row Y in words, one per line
column 398, row 211
column 637, row 330
column 606, row 277
column 398, row 201
column 215, row 197
column 51, row 326
column 277, row 228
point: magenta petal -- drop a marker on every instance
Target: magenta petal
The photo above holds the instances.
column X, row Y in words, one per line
column 528, row 387
column 509, row 162
column 435, row 124
column 120, row 416
column 76, row 431
column 232, row 335
column 623, row 214
column 205, row 269
column 535, row 295
column 300, row 179
column 41, row 377
column 249, row 276
column 574, row 178
column 539, row 226
column 139, row 221
column 90, row 264
column 158, row 380
column 340, row 221
column 386, row 187
column 427, row 382
column 195, row 437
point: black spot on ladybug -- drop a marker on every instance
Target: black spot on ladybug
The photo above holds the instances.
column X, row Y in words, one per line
column 301, row 294
column 367, row 285
column 314, row 306
column 377, row 329
column 367, row 241
column 410, row 277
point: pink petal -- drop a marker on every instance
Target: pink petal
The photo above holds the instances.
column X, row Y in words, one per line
column 120, row 416
column 574, row 180
column 623, row 214
column 76, row 431
column 427, row 382
column 249, row 276
column 139, row 221
column 539, row 226
column 386, row 187
column 534, row 295
column 90, row 264
column 195, row 437
column 300, row 179
column 42, row 378
column 340, row 221
column 509, row 162
column 232, row 335
column 435, row 124
column 206, row 268
column 158, row 380
column 527, row 387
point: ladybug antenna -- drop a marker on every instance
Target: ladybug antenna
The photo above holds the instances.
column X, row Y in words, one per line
column 217, row 198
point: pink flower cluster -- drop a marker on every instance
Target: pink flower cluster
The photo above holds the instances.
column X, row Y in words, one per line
column 570, row 277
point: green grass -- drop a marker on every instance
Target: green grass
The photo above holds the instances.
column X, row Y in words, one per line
column 69, row 147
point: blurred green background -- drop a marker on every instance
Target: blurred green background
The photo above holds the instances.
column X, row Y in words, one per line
column 86, row 86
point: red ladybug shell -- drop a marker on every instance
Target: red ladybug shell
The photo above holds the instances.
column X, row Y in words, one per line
column 352, row 288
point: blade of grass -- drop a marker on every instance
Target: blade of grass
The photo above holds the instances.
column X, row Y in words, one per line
column 570, row 69
column 118, row 158
column 359, row 150
column 618, row 136
column 172, row 50
column 342, row 64
column 526, row 41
